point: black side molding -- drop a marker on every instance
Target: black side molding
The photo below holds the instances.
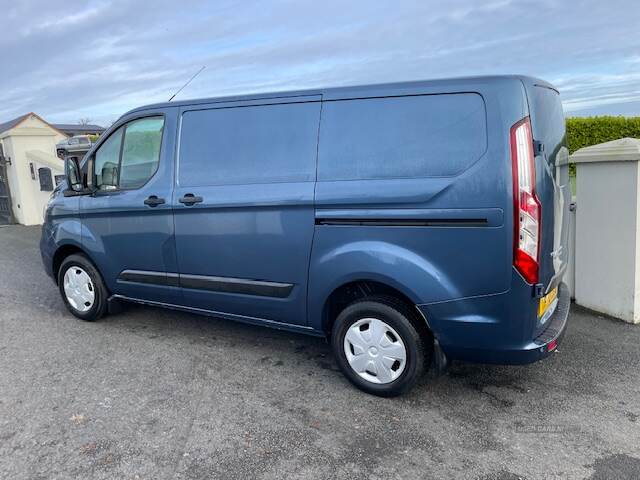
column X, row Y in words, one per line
column 204, row 282
column 236, row 285
column 149, row 277
column 408, row 222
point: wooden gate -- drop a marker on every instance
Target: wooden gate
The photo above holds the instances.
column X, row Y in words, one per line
column 6, row 212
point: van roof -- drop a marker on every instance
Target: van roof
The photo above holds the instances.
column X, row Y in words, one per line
column 354, row 90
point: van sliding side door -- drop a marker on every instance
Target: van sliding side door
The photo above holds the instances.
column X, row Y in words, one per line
column 243, row 206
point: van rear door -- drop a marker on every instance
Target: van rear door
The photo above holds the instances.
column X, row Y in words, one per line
column 552, row 179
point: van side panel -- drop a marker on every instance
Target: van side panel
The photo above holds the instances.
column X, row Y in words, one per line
column 421, row 180
column 401, row 137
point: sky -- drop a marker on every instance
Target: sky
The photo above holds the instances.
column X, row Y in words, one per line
column 92, row 59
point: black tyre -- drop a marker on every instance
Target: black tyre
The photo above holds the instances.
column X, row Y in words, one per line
column 380, row 345
column 82, row 288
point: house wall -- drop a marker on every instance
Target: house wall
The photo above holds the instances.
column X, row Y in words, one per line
column 27, row 199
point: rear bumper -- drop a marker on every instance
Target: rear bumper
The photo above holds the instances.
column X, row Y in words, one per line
column 500, row 339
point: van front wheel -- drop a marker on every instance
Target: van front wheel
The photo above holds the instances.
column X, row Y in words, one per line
column 82, row 288
column 378, row 346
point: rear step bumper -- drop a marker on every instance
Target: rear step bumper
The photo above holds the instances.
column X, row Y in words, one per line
column 558, row 321
column 531, row 351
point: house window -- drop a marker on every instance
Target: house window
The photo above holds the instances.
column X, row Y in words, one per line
column 46, row 181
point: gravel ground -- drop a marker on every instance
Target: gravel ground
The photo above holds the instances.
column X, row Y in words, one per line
column 155, row 394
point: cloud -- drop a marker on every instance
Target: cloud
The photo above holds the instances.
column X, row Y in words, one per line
column 66, row 20
column 587, row 91
column 83, row 58
column 465, row 11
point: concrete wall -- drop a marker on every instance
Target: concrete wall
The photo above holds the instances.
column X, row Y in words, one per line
column 607, row 242
column 37, row 136
column 605, row 248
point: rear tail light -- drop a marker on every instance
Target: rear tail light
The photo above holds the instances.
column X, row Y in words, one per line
column 527, row 219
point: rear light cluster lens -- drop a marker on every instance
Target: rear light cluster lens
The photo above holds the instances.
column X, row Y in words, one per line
column 526, row 205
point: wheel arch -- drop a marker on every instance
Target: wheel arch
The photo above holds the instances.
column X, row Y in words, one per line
column 62, row 252
column 385, row 267
column 353, row 290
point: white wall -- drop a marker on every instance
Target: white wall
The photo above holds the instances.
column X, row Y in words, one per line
column 606, row 238
column 607, row 259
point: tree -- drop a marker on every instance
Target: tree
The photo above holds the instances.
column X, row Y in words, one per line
column 84, row 121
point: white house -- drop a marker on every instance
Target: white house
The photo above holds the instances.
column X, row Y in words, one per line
column 32, row 168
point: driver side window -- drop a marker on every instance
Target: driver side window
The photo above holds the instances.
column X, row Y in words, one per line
column 130, row 156
column 106, row 162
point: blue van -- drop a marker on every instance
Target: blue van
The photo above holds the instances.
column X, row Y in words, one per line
column 410, row 223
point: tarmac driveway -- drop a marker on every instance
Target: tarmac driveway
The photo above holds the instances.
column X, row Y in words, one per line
column 155, row 394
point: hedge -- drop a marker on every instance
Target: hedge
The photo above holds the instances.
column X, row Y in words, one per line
column 582, row 132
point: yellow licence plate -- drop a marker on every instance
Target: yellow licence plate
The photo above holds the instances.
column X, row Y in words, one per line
column 547, row 301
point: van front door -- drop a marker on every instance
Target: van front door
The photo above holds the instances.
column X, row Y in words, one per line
column 243, row 206
column 127, row 224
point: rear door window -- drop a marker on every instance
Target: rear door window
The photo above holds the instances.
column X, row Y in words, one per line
column 547, row 119
column 401, row 137
column 249, row 144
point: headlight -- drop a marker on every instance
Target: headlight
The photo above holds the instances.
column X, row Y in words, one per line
column 48, row 204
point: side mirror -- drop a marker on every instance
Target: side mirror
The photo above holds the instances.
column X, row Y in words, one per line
column 72, row 172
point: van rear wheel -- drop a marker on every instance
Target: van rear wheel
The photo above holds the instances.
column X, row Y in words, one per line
column 82, row 288
column 378, row 346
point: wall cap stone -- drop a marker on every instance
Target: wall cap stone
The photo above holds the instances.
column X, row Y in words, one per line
column 622, row 150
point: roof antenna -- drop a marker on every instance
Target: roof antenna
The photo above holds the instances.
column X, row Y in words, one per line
column 188, row 82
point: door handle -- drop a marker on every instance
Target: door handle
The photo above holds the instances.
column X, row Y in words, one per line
column 154, row 201
column 190, row 199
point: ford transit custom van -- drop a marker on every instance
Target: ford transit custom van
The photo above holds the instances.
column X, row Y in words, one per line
column 410, row 224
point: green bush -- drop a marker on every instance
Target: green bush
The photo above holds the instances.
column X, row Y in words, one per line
column 582, row 132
